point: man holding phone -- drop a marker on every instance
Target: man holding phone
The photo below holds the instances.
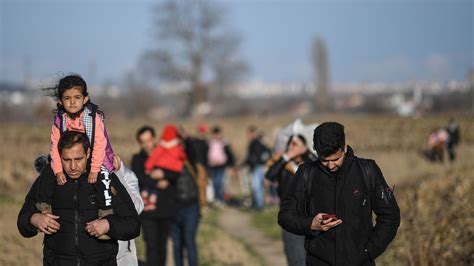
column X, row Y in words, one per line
column 331, row 202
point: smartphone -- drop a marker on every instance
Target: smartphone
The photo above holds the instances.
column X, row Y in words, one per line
column 329, row 216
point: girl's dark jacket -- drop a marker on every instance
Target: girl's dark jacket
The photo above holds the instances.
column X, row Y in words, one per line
column 279, row 172
column 75, row 204
column 345, row 193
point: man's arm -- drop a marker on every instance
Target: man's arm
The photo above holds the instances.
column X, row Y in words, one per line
column 291, row 217
column 144, row 180
column 27, row 210
column 124, row 223
column 275, row 170
column 30, row 220
column 230, row 156
column 385, row 207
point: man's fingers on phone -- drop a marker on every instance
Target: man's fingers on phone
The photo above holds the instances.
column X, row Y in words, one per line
column 334, row 223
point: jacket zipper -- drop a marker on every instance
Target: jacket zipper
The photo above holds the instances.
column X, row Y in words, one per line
column 76, row 224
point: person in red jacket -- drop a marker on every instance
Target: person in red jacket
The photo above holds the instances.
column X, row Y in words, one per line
column 167, row 155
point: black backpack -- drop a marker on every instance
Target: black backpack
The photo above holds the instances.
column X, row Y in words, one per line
column 186, row 187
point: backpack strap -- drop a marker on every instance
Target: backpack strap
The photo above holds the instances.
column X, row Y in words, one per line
column 89, row 125
column 367, row 168
column 308, row 181
column 304, row 198
column 190, row 168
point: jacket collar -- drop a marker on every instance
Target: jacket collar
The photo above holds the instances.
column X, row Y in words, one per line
column 349, row 157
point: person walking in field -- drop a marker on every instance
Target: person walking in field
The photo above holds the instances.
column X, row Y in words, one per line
column 331, row 201
column 219, row 157
column 453, row 138
column 156, row 217
column 257, row 155
column 282, row 171
column 73, row 228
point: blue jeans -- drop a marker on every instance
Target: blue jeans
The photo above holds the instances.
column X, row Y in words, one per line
column 257, row 186
column 217, row 175
column 294, row 248
column 183, row 233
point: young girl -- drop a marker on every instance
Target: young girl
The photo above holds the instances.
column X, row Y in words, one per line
column 75, row 112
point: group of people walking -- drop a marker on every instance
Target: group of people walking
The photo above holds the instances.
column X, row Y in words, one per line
column 90, row 206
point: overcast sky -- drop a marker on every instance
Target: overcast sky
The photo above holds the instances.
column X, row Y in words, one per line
column 379, row 40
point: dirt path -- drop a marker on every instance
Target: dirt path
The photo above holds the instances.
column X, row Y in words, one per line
column 238, row 224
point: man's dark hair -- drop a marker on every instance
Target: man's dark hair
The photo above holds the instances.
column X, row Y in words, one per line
column 216, row 130
column 142, row 130
column 252, row 129
column 70, row 138
column 329, row 138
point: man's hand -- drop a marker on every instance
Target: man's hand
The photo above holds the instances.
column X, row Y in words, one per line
column 98, row 227
column 45, row 223
column 319, row 224
column 157, row 174
column 92, row 178
column 162, row 184
column 117, row 163
column 61, row 178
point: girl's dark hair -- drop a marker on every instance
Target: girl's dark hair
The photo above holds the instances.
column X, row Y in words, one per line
column 71, row 81
column 299, row 136
column 66, row 83
column 306, row 155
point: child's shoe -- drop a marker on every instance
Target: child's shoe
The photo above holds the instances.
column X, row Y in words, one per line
column 44, row 207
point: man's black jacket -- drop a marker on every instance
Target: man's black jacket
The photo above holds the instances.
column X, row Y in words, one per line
column 75, row 204
column 345, row 194
column 166, row 198
column 257, row 153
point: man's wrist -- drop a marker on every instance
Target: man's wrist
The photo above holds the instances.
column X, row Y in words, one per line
column 106, row 219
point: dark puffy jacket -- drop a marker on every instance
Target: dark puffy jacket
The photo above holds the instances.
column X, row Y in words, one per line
column 257, row 153
column 166, row 198
column 278, row 172
column 75, row 204
column 356, row 241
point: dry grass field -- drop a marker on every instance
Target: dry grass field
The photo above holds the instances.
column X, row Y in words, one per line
column 435, row 199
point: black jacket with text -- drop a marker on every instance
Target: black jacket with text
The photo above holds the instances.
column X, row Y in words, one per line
column 75, row 204
column 345, row 193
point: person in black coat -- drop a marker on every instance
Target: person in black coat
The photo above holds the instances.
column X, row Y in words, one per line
column 453, row 138
column 73, row 228
column 257, row 155
column 331, row 202
column 282, row 171
column 156, row 222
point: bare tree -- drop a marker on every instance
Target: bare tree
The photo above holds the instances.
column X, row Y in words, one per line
column 193, row 44
column 321, row 67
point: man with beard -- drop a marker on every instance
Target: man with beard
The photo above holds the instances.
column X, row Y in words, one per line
column 331, row 202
